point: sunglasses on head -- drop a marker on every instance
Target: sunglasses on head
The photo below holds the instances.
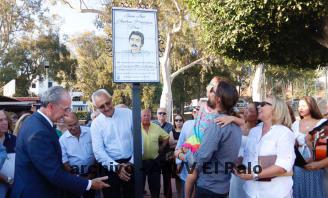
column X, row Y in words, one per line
column 178, row 120
column 161, row 113
column 262, row 104
column 210, row 87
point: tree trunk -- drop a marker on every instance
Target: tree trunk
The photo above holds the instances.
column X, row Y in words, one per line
column 257, row 93
column 166, row 97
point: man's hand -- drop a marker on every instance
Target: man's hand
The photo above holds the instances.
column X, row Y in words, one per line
column 122, row 172
column 98, row 184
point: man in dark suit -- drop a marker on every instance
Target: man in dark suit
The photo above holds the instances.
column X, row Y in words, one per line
column 39, row 170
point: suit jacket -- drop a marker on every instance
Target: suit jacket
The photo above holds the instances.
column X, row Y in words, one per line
column 39, row 169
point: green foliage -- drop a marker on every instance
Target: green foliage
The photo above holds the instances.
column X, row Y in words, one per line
column 278, row 80
column 17, row 18
column 26, row 60
column 82, row 115
column 94, row 64
column 273, row 32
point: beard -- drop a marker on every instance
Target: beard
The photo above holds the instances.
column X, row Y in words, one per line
column 211, row 104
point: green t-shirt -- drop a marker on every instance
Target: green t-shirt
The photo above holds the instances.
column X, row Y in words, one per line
column 151, row 140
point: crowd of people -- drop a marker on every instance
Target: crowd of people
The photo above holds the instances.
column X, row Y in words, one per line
column 219, row 153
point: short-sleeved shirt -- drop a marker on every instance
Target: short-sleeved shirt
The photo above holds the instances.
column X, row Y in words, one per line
column 151, row 140
column 166, row 126
column 279, row 141
column 77, row 152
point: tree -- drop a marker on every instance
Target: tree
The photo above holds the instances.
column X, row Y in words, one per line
column 174, row 26
column 95, row 71
column 94, row 64
column 284, row 33
column 17, row 18
column 27, row 59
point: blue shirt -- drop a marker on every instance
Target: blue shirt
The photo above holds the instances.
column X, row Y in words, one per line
column 77, row 152
column 186, row 132
column 219, row 146
column 166, row 126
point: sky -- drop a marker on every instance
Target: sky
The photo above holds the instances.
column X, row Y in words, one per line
column 73, row 22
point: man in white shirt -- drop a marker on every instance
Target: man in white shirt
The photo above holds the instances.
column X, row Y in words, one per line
column 112, row 143
column 77, row 151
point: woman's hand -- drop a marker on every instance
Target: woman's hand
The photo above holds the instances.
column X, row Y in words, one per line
column 244, row 176
column 224, row 120
column 313, row 166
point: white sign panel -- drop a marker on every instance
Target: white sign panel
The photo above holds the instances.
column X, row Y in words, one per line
column 135, row 45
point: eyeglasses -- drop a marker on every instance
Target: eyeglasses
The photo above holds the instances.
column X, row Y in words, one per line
column 103, row 106
column 161, row 113
column 178, row 120
column 262, row 104
column 210, row 88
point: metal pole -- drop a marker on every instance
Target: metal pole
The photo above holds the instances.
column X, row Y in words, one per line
column 137, row 144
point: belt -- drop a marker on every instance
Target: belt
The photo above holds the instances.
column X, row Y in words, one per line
column 123, row 160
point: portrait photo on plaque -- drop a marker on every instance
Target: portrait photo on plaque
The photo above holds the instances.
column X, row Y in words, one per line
column 135, row 45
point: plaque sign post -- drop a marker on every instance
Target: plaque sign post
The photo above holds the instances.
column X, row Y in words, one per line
column 135, row 60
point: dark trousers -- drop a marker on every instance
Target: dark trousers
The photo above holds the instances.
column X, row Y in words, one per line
column 166, row 168
column 88, row 194
column 118, row 188
column 152, row 171
column 204, row 193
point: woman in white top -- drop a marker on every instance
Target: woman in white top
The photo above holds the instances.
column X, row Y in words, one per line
column 308, row 182
column 274, row 141
column 250, row 120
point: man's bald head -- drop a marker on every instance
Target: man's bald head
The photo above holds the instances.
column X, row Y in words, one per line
column 71, row 117
column 72, row 123
column 145, row 116
column 161, row 115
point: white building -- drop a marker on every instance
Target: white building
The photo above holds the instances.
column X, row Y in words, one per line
column 40, row 85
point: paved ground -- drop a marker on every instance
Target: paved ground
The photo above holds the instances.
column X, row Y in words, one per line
column 174, row 191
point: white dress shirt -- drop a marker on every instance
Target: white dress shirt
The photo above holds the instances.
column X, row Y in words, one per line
column 112, row 137
column 78, row 151
column 279, row 140
column 46, row 117
column 52, row 124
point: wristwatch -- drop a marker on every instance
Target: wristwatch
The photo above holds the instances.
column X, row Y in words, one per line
column 255, row 176
column 10, row 180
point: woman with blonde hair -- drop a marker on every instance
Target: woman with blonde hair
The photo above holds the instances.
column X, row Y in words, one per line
column 270, row 151
column 20, row 122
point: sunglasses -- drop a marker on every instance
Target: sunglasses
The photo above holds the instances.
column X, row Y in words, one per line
column 262, row 104
column 178, row 120
column 161, row 113
column 210, row 88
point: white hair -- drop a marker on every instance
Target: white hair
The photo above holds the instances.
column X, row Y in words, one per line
column 53, row 95
column 99, row 92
